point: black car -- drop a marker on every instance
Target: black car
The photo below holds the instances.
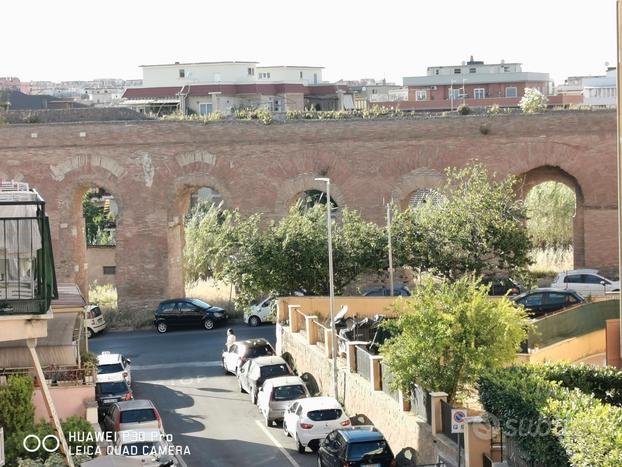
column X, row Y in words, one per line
column 500, row 286
column 546, row 300
column 357, row 446
column 107, row 394
column 189, row 313
column 386, row 292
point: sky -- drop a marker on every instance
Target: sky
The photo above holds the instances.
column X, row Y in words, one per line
column 83, row 40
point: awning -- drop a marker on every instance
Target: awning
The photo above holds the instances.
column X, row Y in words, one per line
column 135, row 102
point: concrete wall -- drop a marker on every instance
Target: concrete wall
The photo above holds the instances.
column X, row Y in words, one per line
column 168, row 75
column 569, row 350
column 68, row 400
column 152, row 167
column 320, row 306
column 97, row 257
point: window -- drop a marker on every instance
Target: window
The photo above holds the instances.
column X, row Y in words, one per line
column 454, row 93
column 109, row 270
column 511, row 91
column 267, row 75
column 421, row 95
column 457, row 71
column 436, row 72
column 288, row 393
column 205, row 108
column 185, row 307
column 533, row 300
column 323, row 415
column 167, row 307
column 506, row 69
column 182, row 73
column 479, row 93
column 573, row 279
column 556, row 298
column 472, row 70
column 301, row 75
column 251, row 71
column 591, row 279
column 138, row 416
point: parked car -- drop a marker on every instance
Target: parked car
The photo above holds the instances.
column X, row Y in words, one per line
column 500, row 286
column 386, row 292
column 241, row 351
column 146, row 445
column 546, row 300
column 358, row 446
column 132, row 415
column 113, row 367
column 255, row 372
column 277, row 394
column 108, row 393
column 260, row 312
column 310, row 420
column 188, row 313
column 585, row 281
column 95, row 322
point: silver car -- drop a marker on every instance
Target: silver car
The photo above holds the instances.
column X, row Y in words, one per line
column 132, row 415
column 277, row 394
column 254, row 373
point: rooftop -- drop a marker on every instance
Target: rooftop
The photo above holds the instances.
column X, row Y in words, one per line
column 202, row 63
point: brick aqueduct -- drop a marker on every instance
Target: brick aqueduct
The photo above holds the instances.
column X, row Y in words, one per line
column 152, row 167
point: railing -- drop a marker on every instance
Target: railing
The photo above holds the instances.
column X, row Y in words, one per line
column 421, row 403
column 387, row 379
column 446, row 421
column 62, row 376
column 302, row 322
column 363, row 362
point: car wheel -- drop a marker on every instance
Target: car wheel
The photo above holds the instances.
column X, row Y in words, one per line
column 301, row 448
column 224, row 367
column 162, row 327
column 253, row 396
column 254, row 321
column 268, row 422
column 285, row 432
column 241, row 388
column 315, row 447
column 89, row 333
column 208, row 324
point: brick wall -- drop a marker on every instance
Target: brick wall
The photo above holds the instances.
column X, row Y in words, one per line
column 150, row 167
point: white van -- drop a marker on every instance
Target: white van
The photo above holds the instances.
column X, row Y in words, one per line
column 261, row 313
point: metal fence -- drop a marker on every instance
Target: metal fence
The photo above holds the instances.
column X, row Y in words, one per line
column 54, row 376
column 515, row 456
column 446, row 421
column 387, row 378
column 363, row 362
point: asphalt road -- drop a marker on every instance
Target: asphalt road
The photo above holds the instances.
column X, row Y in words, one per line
column 201, row 407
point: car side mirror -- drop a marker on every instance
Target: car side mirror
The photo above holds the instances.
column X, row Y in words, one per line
column 128, row 361
column 603, row 283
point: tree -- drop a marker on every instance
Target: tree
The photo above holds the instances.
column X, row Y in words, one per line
column 533, row 101
column 449, row 333
column 477, row 226
column 550, row 210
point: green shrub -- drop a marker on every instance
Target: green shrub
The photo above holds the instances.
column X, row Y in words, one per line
column 464, row 109
column 552, row 424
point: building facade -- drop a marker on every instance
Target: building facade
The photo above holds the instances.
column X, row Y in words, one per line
column 203, row 88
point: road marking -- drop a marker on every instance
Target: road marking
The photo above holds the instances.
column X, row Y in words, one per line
column 277, row 444
column 180, row 461
column 166, row 366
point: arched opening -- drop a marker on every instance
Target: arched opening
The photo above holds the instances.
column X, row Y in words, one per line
column 423, row 196
column 310, row 198
column 554, row 203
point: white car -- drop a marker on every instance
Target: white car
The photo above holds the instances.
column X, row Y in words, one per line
column 113, row 367
column 95, row 322
column 240, row 351
column 585, row 281
column 147, row 445
column 277, row 394
column 260, row 313
column 310, row 420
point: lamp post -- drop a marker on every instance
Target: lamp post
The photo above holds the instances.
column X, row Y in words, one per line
column 463, row 93
column 619, row 148
column 331, row 301
column 390, row 248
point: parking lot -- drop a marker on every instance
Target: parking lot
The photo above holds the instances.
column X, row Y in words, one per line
column 201, row 407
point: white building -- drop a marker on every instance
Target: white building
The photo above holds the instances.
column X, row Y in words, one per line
column 600, row 91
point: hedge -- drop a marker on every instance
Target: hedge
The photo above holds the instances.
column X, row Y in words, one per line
column 552, row 424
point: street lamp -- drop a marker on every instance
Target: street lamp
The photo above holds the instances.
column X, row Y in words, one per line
column 463, row 93
column 331, row 301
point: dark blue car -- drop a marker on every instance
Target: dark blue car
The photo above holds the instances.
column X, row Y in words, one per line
column 188, row 313
column 358, row 446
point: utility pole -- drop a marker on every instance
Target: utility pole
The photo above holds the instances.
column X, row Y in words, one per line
column 619, row 149
column 390, row 248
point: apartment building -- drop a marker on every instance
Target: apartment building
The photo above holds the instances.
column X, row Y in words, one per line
column 207, row 87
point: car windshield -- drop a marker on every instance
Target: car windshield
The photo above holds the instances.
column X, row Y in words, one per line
column 288, row 393
column 139, row 448
column 107, row 369
column 138, row 416
column 259, row 351
column 369, row 448
column 324, row 414
column 200, row 303
column 96, row 312
column 272, row 371
column 118, row 387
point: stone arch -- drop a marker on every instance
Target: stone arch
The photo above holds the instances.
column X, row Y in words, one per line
column 68, row 232
column 290, row 191
column 179, row 201
column 408, row 184
column 548, row 173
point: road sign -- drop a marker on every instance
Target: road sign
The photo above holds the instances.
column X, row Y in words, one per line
column 457, row 420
